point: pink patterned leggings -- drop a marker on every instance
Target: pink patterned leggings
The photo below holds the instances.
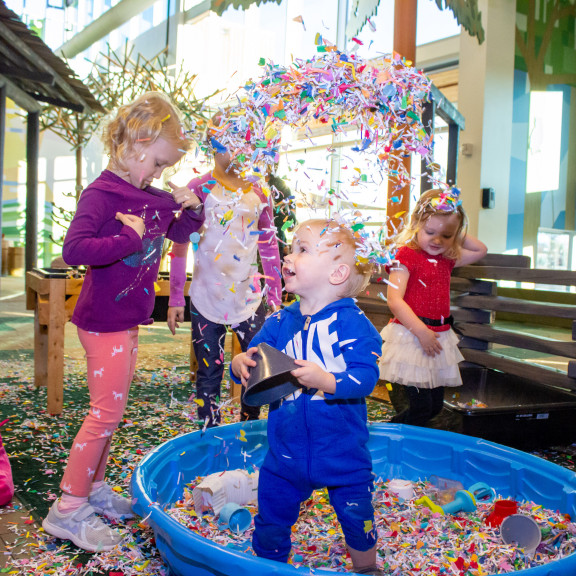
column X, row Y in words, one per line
column 111, row 359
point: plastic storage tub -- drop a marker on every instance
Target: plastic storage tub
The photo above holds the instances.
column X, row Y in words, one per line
column 414, row 453
column 53, row 272
column 518, row 412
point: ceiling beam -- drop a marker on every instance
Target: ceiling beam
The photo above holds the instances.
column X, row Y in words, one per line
column 38, row 62
column 110, row 20
column 19, row 97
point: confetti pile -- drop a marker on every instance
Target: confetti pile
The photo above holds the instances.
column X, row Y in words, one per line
column 412, row 539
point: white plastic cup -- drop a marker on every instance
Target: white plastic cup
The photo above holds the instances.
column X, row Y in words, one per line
column 521, row 531
column 235, row 517
column 402, row 488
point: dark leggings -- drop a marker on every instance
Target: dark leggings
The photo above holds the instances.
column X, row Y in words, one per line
column 425, row 403
column 208, row 341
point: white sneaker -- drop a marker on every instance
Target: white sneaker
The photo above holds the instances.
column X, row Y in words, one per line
column 106, row 501
column 82, row 527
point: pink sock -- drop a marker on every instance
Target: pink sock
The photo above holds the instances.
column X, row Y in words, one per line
column 69, row 503
column 96, row 486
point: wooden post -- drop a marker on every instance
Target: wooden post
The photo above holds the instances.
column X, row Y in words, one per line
column 405, row 15
column 40, row 343
column 55, row 346
column 193, row 363
column 48, row 298
column 236, row 349
column 32, row 151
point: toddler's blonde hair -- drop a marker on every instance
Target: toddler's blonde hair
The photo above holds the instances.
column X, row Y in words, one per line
column 337, row 234
column 142, row 122
column 433, row 203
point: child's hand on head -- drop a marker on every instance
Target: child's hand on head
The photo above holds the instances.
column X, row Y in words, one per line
column 241, row 364
column 135, row 222
column 429, row 342
column 310, row 375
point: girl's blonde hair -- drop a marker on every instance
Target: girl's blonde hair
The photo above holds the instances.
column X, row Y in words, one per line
column 143, row 121
column 435, row 203
column 338, row 234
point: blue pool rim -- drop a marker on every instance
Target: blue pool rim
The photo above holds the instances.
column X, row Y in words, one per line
column 397, row 450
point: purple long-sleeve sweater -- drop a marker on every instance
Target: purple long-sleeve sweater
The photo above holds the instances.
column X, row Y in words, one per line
column 118, row 289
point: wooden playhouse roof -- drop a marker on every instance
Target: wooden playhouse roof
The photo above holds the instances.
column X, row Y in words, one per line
column 33, row 74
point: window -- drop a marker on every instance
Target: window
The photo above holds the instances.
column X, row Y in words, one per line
column 544, row 140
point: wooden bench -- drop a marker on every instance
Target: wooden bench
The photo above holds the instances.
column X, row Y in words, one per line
column 478, row 302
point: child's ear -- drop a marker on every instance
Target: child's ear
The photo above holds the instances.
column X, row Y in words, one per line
column 340, row 274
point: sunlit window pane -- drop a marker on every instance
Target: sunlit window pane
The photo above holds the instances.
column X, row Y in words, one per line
column 544, row 141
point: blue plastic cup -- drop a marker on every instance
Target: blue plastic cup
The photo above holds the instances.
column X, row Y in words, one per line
column 235, row 517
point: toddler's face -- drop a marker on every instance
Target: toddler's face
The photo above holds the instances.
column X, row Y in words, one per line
column 306, row 271
column 438, row 233
column 149, row 162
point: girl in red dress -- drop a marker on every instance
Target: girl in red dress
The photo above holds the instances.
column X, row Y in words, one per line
column 420, row 349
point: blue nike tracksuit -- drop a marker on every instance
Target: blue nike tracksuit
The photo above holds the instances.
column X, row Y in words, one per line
column 317, row 439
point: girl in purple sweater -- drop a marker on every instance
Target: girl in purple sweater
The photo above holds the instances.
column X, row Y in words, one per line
column 117, row 232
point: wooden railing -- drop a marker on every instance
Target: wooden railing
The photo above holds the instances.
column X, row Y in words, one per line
column 476, row 305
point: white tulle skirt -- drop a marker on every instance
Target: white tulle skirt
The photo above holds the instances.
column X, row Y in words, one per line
column 403, row 360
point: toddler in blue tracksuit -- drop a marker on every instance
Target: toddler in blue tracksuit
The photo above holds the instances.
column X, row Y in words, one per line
column 318, row 435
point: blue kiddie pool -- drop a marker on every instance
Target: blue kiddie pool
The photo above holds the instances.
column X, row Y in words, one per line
column 397, row 451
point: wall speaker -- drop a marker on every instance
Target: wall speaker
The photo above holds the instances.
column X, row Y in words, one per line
column 488, row 200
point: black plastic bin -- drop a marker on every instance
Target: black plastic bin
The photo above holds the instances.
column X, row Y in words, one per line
column 62, row 273
column 518, row 412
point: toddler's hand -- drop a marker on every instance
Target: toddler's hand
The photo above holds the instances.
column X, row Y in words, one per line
column 183, row 195
column 310, row 375
column 429, row 342
column 241, row 364
column 135, row 222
